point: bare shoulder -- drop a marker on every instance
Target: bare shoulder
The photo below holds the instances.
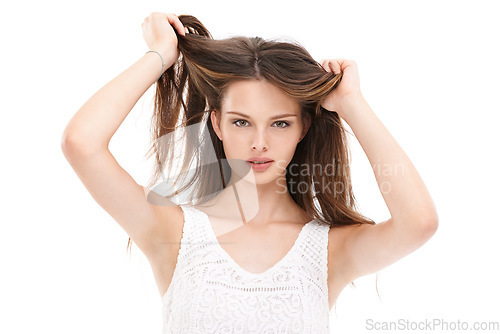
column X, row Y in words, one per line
column 172, row 218
column 337, row 261
column 363, row 249
column 170, row 222
column 337, row 235
column 164, row 259
column 166, row 210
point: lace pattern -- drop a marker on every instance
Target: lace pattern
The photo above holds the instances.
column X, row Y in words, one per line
column 211, row 293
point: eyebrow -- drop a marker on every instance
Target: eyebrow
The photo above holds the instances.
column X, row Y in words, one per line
column 274, row 117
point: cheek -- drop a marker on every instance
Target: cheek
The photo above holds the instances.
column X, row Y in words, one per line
column 234, row 137
column 288, row 151
column 233, row 142
column 233, row 146
column 287, row 141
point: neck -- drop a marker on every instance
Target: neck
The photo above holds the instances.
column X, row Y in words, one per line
column 257, row 202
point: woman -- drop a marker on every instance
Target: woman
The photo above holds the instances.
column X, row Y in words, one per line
column 269, row 235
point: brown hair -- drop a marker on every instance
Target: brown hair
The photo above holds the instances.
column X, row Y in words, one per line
column 195, row 84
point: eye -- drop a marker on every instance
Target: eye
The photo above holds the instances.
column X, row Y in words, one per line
column 284, row 124
column 239, row 120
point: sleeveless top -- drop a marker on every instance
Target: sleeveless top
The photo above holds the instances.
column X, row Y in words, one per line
column 211, row 293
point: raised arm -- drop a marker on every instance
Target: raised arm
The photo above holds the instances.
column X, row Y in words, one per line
column 98, row 119
column 86, row 138
column 369, row 248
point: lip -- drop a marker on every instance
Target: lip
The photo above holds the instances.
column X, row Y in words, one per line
column 260, row 167
column 259, row 159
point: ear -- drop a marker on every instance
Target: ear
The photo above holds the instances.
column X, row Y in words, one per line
column 307, row 124
column 215, row 123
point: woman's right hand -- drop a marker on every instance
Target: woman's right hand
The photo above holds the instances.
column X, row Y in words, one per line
column 158, row 32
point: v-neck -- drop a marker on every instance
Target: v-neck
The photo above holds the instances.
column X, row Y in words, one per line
column 236, row 265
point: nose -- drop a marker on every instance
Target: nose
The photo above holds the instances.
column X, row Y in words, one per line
column 260, row 142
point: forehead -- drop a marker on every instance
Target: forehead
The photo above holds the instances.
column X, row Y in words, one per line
column 257, row 96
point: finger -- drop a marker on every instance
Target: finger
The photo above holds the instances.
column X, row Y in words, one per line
column 351, row 63
column 332, row 63
column 344, row 63
column 325, row 65
column 174, row 21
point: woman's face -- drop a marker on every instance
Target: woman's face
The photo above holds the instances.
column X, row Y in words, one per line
column 259, row 120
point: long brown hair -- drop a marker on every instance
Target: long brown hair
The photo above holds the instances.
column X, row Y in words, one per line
column 191, row 88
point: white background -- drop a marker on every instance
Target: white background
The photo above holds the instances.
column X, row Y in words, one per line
column 429, row 69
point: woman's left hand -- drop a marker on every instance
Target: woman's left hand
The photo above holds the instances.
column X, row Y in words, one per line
column 348, row 87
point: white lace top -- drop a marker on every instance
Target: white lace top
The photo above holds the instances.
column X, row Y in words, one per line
column 211, row 293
